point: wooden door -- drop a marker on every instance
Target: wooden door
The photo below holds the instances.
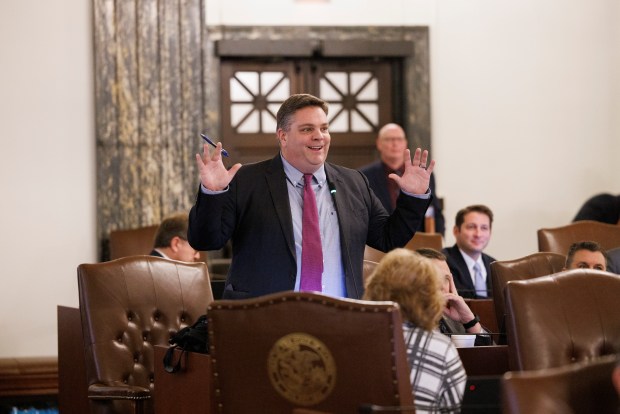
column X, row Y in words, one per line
column 359, row 93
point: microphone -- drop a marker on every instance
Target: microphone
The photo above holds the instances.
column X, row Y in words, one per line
column 332, row 189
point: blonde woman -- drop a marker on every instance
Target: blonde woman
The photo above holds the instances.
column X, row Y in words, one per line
column 437, row 374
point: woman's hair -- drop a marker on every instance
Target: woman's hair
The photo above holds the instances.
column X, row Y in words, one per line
column 410, row 280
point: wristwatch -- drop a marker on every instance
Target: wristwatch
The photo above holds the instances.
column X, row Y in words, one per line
column 471, row 323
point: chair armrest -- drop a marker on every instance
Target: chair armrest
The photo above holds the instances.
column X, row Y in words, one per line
column 118, row 392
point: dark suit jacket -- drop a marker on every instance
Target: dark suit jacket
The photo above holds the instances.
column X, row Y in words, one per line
column 155, row 253
column 460, row 272
column 256, row 214
column 376, row 178
column 614, row 260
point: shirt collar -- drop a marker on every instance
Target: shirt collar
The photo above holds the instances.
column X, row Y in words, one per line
column 471, row 262
column 296, row 177
column 388, row 170
column 164, row 255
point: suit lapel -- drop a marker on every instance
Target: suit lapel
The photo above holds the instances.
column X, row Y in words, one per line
column 460, row 262
column 276, row 181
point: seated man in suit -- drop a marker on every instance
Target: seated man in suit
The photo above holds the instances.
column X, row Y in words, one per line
column 586, row 255
column 470, row 267
column 391, row 142
column 457, row 316
column 171, row 240
column 613, row 262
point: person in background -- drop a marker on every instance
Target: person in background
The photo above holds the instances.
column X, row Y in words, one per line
column 391, row 142
column 171, row 240
column 296, row 221
column 586, row 255
column 437, row 374
column 470, row 267
column 457, row 316
column 613, row 261
column 601, row 207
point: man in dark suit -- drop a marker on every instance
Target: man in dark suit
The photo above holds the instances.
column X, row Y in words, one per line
column 391, row 142
column 470, row 267
column 171, row 240
column 261, row 208
column 614, row 260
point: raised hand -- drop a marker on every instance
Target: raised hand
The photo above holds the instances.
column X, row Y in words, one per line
column 417, row 175
column 213, row 174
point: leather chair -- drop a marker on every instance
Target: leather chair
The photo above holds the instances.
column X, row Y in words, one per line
column 420, row 239
column 132, row 242
column 128, row 306
column 528, row 267
column 139, row 241
column 430, row 240
column 559, row 239
column 305, row 350
column 562, row 318
column 372, row 254
column 367, row 269
column 583, row 387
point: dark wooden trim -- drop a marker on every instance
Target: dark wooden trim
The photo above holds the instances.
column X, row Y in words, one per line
column 304, row 47
column 363, row 48
column 266, row 47
column 28, row 380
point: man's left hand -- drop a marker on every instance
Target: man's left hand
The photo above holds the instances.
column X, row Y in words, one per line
column 417, row 175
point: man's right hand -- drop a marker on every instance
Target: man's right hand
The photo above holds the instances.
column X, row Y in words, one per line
column 213, row 174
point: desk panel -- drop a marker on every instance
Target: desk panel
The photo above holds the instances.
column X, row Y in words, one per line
column 485, row 360
column 189, row 391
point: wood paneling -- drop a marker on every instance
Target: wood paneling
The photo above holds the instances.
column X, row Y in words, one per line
column 149, row 109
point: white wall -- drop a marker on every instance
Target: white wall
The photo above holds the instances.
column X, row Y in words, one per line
column 525, row 104
column 523, row 111
column 47, row 166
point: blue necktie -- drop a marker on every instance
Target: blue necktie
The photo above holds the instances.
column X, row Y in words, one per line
column 480, row 283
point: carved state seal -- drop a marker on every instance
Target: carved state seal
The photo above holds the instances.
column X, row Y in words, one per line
column 302, row 369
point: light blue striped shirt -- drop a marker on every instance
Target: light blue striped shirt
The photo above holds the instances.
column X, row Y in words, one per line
column 333, row 283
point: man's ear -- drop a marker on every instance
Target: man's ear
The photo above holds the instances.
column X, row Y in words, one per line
column 174, row 243
column 455, row 231
column 281, row 134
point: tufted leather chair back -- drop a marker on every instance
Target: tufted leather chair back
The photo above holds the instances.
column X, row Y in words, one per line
column 562, row 318
column 528, row 267
column 289, row 350
column 559, row 239
column 128, row 306
column 583, row 387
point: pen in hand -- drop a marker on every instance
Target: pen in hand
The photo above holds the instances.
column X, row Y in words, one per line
column 206, row 138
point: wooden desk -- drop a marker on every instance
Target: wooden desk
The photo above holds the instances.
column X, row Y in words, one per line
column 189, row 391
column 485, row 360
column 72, row 379
column 485, row 309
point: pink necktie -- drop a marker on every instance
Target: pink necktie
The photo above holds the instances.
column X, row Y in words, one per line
column 311, row 250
